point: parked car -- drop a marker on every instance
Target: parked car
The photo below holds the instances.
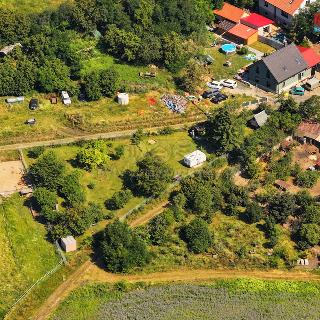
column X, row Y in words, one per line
column 297, row 91
column 229, row 83
column 312, row 84
column 215, row 85
column 209, row 93
column 33, row 104
column 219, row 97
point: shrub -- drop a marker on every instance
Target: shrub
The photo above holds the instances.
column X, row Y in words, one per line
column 307, row 179
column 119, row 200
column 36, row 152
column 197, row 236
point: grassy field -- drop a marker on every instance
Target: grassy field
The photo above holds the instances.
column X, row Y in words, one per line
column 25, row 253
column 170, row 148
column 29, row 5
column 262, row 47
column 231, row 299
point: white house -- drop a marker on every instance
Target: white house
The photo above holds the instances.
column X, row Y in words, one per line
column 69, row 244
column 194, row 159
column 282, row 11
column 65, row 97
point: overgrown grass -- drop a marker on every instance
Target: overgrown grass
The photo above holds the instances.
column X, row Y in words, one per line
column 231, row 299
column 25, row 253
column 29, row 5
column 262, row 47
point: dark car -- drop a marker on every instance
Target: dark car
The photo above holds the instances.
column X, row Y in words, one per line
column 219, row 97
column 34, row 104
column 209, row 94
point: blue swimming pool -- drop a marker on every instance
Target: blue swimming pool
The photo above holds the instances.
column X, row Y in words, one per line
column 228, row 48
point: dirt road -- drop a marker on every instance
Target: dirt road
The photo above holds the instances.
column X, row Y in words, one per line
column 87, row 137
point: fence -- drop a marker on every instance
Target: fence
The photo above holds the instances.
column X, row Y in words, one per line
column 271, row 42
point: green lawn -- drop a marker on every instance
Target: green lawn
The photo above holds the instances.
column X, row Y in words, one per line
column 218, row 70
column 170, row 148
column 228, row 300
column 262, row 47
column 29, row 5
column 25, row 253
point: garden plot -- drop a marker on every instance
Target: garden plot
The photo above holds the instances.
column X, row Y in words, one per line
column 11, row 177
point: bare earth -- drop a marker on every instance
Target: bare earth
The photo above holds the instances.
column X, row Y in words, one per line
column 11, row 181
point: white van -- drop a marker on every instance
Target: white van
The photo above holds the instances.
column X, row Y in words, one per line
column 312, row 84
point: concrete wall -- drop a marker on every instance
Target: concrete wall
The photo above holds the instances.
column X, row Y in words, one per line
column 271, row 42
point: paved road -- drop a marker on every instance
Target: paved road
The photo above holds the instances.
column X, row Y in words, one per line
column 87, row 137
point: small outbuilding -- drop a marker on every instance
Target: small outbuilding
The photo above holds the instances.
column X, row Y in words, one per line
column 69, row 244
column 282, row 185
column 259, row 120
column 8, row 49
column 65, row 98
column 123, row 98
column 194, row 159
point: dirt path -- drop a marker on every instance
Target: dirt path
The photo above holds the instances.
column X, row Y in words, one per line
column 87, row 137
column 149, row 215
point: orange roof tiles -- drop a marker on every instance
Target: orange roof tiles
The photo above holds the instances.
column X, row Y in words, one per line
column 242, row 31
column 230, row 12
column 288, row 6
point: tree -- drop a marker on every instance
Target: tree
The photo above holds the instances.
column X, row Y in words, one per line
column 47, row 171
column 109, row 82
column 92, row 86
column 158, row 228
column 253, row 213
column 72, row 190
column 225, row 131
column 310, row 233
column 137, row 137
column 122, row 249
column 152, row 177
column 270, row 230
column 307, row 179
column 45, row 202
column 119, row 200
column 281, row 206
column 198, row 236
column 53, row 76
column 311, row 214
column 191, row 78
column 310, row 109
column 93, row 155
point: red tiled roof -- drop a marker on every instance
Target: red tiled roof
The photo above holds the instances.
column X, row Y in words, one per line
column 242, row 31
column 309, row 129
column 256, row 20
column 288, row 6
column 230, row 12
column 310, row 56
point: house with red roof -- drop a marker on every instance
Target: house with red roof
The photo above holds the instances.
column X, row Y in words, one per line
column 282, row 11
column 230, row 13
column 311, row 57
column 258, row 22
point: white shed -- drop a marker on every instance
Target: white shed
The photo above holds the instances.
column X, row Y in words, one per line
column 69, row 244
column 195, row 158
column 123, row 98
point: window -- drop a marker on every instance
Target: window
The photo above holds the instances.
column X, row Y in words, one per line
column 283, row 84
column 284, row 14
column 268, row 84
column 257, row 70
column 268, row 74
column 266, row 4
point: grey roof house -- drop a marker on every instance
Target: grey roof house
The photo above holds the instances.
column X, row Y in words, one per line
column 280, row 70
column 259, row 119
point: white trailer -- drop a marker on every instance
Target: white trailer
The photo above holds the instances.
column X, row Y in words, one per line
column 194, row 159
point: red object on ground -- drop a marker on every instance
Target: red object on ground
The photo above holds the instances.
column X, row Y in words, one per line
column 152, row 101
column 310, row 56
column 257, row 20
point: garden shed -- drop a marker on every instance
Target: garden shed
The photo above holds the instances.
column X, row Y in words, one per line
column 123, row 98
column 69, row 244
column 194, row 159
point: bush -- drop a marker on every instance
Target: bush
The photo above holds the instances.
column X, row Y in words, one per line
column 253, row 213
column 119, row 200
column 36, row 152
column 307, row 179
column 197, row 236
column 122, row 249
column 243, row 50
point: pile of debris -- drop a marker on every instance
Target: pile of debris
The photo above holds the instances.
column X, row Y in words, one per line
column 175, row 103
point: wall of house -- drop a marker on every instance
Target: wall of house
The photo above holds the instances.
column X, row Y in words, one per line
column 289, row 83
column 259, row 79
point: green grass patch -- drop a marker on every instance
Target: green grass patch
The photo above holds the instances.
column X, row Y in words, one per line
column 262, row 47
column 30, row 6
column 25, row 253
